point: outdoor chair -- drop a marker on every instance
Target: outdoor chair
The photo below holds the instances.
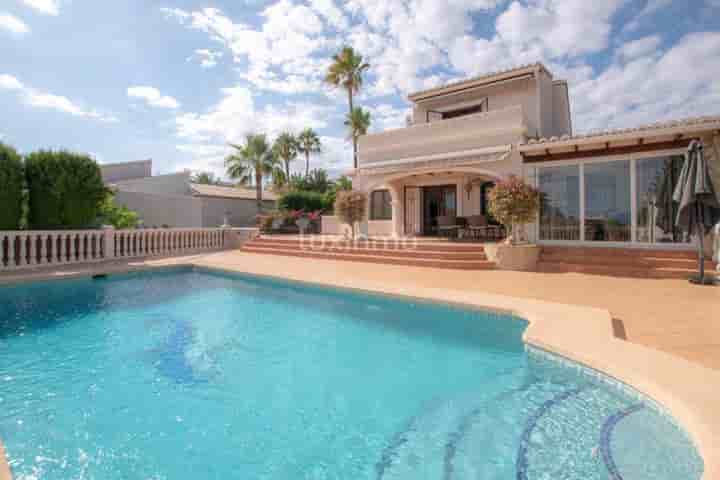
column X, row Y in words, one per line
column 478, row 228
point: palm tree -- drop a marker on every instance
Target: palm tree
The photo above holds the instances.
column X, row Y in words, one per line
column 254, row 158
column 278, row 178
column 358, row 122
column 286, row 149
column 346, row 72
column 308, row 142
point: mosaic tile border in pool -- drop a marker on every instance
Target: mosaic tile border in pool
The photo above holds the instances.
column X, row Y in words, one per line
column 538, row 354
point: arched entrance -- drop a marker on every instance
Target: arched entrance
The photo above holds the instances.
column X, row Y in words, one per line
column 421, row 199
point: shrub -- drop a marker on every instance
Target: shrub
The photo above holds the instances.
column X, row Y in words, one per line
column 514, row 203
column 301, row 200
column 65, row 189
column 118, row 216
column 265, row 222
column 351, row 207
column 11, row 188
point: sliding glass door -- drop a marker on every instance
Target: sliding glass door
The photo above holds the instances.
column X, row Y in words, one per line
column 560, row 205
column 618, row 201
column 607, row 202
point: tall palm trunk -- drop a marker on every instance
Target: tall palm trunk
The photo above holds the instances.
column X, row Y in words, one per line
column 307, row 163
column 258, row 190
column 350, row 103
column 287, row 170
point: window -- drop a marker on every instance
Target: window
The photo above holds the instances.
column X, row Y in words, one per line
column 464, row 111
column 656, row 211
column 607, row 202
column 560, row 206
column 380, row 205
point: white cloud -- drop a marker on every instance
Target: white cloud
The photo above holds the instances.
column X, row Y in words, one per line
column 207, row 58
column 152, row 97
column 386, row 116
column 39, row 99
column 332, row 14
column 280, row 49
column 8, row 82
column 650, row 89
column 12, row 24
column 641, row 47
column 236, row 115
column 48, row 7
column 205, row 135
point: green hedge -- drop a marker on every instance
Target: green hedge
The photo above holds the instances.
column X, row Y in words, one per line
column 11, row 188
column 65, row 190
column 302, row 200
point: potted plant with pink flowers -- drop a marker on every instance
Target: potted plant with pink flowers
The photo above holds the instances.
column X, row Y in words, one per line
column 514, row 203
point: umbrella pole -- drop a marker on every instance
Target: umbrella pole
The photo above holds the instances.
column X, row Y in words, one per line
column 699, row 231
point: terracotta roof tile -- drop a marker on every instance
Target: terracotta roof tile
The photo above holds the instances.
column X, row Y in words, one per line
column 694, row 121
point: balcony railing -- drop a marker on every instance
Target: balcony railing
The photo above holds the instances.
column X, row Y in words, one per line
column 481, row 130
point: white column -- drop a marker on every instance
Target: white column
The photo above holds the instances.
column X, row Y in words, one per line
column 23, row 250
column 11, row 252
column 396, row 194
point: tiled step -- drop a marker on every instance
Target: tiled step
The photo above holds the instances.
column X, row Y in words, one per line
column 384, row 259
column 621, row 262
column 617, row 252
column 373, row 250
column 648, row 261
column 617, row 271
column 385, row 244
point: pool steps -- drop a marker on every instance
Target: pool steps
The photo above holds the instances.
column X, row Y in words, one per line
column 564, row 433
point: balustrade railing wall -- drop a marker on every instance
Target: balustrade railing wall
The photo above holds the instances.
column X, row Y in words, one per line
column 33, row 248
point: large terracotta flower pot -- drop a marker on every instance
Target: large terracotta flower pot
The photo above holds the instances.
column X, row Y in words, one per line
column 513, row 257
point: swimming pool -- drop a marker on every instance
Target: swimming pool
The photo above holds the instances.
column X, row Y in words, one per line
column 189, row 373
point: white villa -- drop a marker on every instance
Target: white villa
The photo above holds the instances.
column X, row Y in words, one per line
column 602, row 189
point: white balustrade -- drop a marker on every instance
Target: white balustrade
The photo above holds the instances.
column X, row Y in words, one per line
column 28, row 248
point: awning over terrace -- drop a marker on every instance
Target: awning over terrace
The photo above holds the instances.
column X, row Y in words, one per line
column 439, row 162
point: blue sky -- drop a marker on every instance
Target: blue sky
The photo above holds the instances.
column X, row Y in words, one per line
column 176, row 80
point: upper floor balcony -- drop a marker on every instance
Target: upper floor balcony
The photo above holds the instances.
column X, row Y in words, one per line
column 452, row 136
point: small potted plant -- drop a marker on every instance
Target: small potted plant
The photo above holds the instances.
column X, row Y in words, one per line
column 514, row 203
column 351, row 207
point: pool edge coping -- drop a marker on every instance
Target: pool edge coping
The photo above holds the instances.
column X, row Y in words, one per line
column 689, row 392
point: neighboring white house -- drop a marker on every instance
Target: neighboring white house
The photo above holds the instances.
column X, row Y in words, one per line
column 173, row 200
column 600, row 189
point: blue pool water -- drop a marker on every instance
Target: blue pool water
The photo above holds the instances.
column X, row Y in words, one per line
column 191, row 374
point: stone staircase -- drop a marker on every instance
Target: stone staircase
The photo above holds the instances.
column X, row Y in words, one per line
column 621, row 262
column 411, row 252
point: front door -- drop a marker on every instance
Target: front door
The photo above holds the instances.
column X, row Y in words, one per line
column 437, row 202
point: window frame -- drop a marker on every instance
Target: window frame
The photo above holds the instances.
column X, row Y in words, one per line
column 386, row 212
column 633, row 198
